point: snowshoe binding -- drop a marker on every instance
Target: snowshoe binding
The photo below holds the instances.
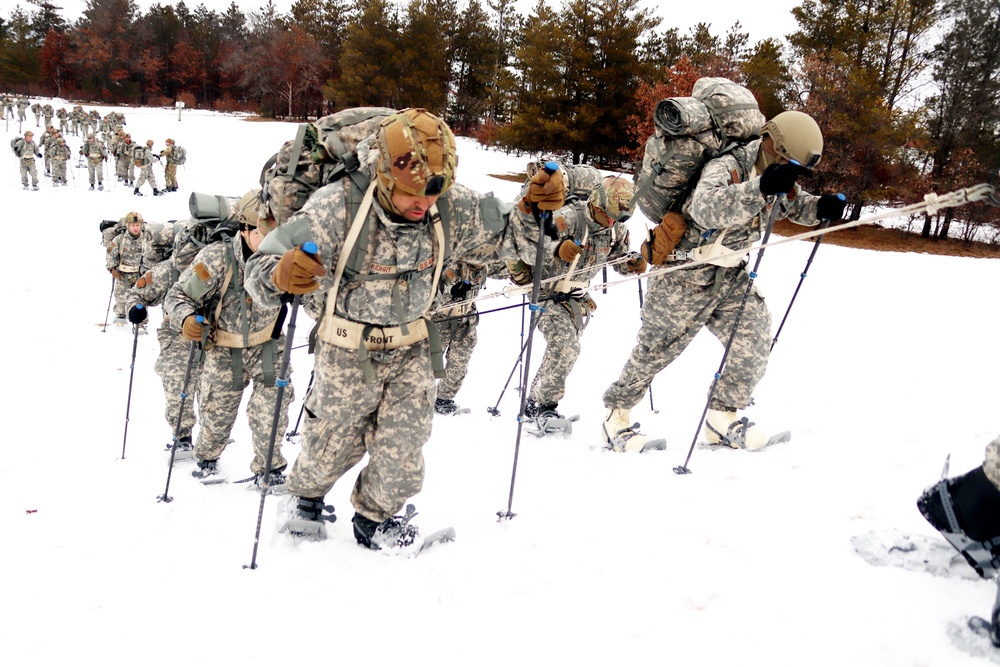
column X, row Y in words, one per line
column 396, row 535
column 185, row 449
column 208, row 472
column 447, row 406
column 621, row 436
column 547, row 420
column 305, row 517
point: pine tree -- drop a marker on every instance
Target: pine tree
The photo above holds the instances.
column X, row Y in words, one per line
column 372, row 61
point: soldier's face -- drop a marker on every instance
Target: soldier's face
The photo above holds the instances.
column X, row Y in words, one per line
column 412, row 207
column 134, row 228
column 252, row 237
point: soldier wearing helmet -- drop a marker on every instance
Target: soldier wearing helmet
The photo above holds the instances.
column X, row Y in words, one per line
column 588, row 231
column 96, row 154
column 243, row 349
column 59, row 154
column 142, row 157
column 27, row 150
column 125, row 259
column 374, row 359
column 734, row 195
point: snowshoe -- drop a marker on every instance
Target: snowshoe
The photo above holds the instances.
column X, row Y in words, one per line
column 34, row 187
column 185, row 449
column 305, row 517
column 119, row 320
column 620, row 436
column 394, row 535
column 91, row 186
column 548, row 421
column 723, row 428
column 275, row 482
column 157, row 193
column 208, row 472
column 101, row 186
column 446, row 406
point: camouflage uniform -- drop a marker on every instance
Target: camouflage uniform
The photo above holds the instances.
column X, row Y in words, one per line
column 171, row 364
column 8, row 105
column 63, row 117
column 679, row 304
column 22, row 106
column 76, row 117
column 36, row 109
column 385, row 405
column 96, row 154
column 125, row 253
column 29, row 149
column 124, row 164
column 47, row 113
column 59, row 153
column 564, row 317
column 232, row 361
column 142, row 157
column 457, row 327
column 170, row 169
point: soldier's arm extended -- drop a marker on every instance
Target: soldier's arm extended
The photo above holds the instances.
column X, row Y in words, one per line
column 197, row 285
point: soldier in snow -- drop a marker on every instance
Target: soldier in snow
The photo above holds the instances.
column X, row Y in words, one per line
column 734, row 193
column 27, row 150
column 241, row 347
column 124, row 261
column 96, row 155
column 374, row 373
column 584, row 235
column 142, row 157
column 58, row 154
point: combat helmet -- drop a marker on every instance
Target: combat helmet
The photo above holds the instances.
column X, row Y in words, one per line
column 247, row 213
column 611, row 201
column 416, row 155
column 796, row 136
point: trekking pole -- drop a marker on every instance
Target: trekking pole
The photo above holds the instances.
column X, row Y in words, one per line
column 542, row 219
column 195, row 346
column 107, row 313
column 281, row 382
column 131, row 374
column 655, row 411
column 295, row 431
column 822, row 225
column 520, row 356
column 683, row 469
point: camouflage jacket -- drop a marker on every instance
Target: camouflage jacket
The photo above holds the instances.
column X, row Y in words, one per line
column 125, row 252
column 475, row 224
column 142, row 154
column 199, row 287
column 28, row 149
column 58, row 152
column 728, row 197
column 573, row 221
column 93, row 150
column 124, row 148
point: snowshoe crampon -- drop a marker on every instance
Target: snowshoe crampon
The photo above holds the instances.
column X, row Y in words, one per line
column 305, row 517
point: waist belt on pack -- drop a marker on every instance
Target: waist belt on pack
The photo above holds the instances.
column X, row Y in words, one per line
column 229, row 339
column 347, row 334
column 128, row 268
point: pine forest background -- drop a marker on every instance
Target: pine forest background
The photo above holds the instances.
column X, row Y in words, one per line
column 907, row 91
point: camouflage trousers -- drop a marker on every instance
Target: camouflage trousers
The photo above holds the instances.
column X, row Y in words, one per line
column 561, row 331
column 170, row 176
column 95, row 169
column 219, row 403
column 146, row 174
column 346, row 417
column 28, row 167
column 991, row 465
column 171, row 366
column 58, row 171
column 122, row 287
column 677, row 306
column 458, row 340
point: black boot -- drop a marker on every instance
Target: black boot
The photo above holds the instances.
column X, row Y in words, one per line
column 976, row 503
column 137, row 193
column 394, row 533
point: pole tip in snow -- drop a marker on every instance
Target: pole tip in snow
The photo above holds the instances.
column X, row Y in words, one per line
column 682, row 470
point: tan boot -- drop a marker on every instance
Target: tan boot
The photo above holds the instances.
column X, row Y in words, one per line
column 725, row 428
column 619, row 432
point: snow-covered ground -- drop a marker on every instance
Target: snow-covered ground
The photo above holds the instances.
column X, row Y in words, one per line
column 884, row 368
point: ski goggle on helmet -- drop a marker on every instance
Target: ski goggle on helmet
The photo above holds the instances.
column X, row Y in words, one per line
column 416, row 154
column 796, row 136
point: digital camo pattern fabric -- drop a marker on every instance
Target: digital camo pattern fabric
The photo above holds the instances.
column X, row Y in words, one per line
column 228, row 371
column 172, row 362
column 125, row 254
column 457, row 325
column 991, row 465
column 562, row 323
column 347, row 416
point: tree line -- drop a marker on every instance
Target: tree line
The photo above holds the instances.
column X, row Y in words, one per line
column 907, row 91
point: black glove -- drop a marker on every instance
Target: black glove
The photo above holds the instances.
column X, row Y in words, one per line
column 460, row 290
column 137, row 314
column 780, row 178
column 38, row 155
column 831, row 207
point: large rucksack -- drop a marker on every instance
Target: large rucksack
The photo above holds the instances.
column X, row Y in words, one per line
column 17, row 145
column 321, row 153
column 718, row 116
column 180, row 155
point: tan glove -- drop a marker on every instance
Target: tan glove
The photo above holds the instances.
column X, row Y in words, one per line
column 664, row 238
column 636, row 264
column 546, row 191
column 192, row 329
column 296, row 272
column 568, row 250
